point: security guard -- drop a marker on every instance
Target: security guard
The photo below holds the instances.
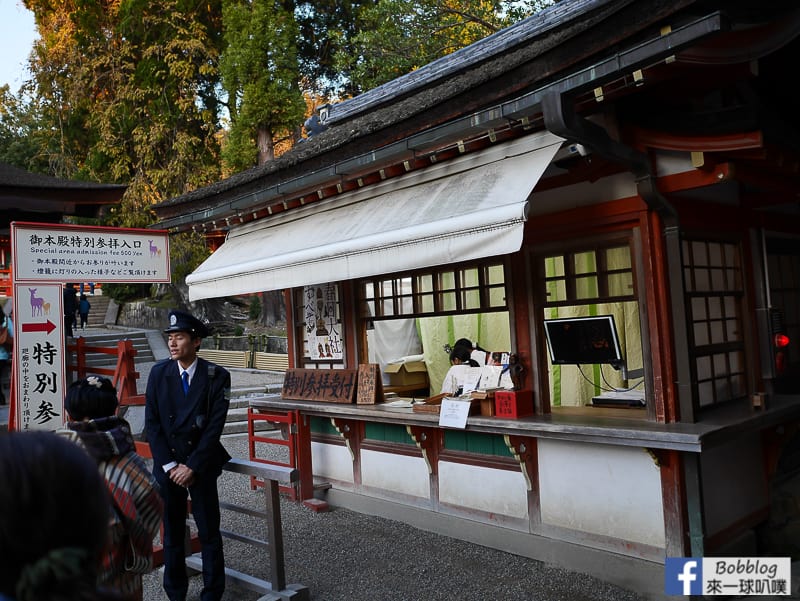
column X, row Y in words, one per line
column 187, row 402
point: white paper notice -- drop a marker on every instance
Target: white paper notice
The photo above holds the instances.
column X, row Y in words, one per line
column 454, row 413
column 472, row 379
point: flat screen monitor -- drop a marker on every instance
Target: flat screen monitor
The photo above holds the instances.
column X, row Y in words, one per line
column 583, row 340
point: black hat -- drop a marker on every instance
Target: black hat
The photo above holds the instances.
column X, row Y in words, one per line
column 91, row 397
column 180, row 321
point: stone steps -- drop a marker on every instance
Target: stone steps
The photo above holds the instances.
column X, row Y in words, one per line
column 97, row 312
column 110, row 339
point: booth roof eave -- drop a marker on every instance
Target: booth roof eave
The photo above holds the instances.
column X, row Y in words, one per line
column 471, row 207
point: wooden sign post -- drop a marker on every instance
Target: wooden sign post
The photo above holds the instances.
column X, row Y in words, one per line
column 370, row 385
column 331, row 385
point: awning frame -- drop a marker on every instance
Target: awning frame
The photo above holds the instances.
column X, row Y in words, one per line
column 470, row 207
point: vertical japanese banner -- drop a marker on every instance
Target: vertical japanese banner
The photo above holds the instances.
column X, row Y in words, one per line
column 39, row 356
column 323, row 328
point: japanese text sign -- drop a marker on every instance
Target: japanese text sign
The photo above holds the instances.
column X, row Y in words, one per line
column 39, row 356
column 72, row 253
column 322, row 324
column 332, row 385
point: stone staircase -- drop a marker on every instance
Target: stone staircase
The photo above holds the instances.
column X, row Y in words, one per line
column 110, row 338
column 97, row 313
column 236, row 422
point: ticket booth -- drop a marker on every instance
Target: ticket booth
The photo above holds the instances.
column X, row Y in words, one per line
column 601, row 192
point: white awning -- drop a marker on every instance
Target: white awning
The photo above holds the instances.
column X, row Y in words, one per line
column 471, row 207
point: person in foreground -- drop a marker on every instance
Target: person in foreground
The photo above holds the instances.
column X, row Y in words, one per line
column 187, row 402
column 137, row 507
column 53, row 522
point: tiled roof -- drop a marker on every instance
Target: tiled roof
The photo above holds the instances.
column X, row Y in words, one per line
column 14, row 177
column 466, row 58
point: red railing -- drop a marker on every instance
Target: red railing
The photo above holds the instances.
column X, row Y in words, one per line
column 123, row 375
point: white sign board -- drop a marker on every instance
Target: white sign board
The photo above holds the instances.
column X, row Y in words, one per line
column 74, row 253
column 454, row 412
column 39, row 356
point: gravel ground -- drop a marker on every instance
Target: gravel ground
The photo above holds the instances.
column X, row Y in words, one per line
column 343, row 555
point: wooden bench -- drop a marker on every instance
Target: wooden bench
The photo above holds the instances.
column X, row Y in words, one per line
column 271, row 361
column 226, row 358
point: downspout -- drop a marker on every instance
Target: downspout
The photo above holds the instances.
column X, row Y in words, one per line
column 560, row 118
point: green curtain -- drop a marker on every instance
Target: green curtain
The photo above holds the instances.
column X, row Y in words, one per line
column 492, row 331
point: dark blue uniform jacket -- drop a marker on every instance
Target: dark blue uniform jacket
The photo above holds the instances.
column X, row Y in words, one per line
column 171, row 419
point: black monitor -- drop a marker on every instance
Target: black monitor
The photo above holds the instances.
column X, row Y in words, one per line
column 583, row 340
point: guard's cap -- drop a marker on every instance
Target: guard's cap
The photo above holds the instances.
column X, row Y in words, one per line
column 180, row 321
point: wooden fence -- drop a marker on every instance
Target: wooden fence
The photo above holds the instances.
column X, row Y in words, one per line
column 247, row 359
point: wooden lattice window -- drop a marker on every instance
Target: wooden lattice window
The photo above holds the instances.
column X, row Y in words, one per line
column 598, row 274
column 468, row 289
column 712, row 274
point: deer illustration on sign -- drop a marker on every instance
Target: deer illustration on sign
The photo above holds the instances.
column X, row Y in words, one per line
column 154, row 250
column 36, row 303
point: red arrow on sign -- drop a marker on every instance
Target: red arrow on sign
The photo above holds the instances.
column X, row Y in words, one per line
column 39, row 327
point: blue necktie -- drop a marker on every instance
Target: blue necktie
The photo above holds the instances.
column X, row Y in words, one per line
column 185, row 378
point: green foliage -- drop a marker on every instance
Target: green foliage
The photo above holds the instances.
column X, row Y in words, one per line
column 122, row 293
column 254, row 311
column 260, row 73
column 327, row 28
column 19, row 132
column 238, row 331
column 397, row 36
column 186, row 252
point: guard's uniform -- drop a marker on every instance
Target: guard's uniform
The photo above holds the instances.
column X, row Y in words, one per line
column 186, row 428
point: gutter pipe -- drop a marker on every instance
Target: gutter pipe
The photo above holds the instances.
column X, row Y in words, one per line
column 560, row 119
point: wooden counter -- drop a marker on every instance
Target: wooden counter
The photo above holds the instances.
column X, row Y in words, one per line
column 586, row 424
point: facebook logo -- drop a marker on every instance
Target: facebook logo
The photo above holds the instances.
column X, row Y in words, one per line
column 683, row 576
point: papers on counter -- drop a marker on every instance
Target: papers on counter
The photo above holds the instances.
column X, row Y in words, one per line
column 403, row 403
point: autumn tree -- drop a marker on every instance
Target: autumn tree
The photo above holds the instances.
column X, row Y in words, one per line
column 127, row 92
column 130, row 88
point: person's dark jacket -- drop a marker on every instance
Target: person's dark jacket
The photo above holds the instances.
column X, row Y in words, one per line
column 70, row 301
column 171, row 419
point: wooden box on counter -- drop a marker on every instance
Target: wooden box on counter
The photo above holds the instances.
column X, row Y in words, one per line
column 513, row 403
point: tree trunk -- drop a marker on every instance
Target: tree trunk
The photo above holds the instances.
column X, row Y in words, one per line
column 273, row 310
column 266, row 146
